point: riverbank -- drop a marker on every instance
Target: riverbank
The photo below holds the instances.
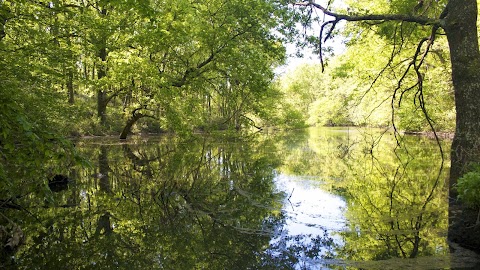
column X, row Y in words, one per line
column 431, row 135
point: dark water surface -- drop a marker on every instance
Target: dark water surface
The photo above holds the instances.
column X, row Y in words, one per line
column 316, row 199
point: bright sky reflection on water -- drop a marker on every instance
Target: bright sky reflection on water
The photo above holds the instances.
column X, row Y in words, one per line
column 310, row 209
column 312, row 213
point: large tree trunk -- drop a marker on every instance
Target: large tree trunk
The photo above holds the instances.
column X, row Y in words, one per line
column 102, row 107
column 70, row 68
column 461, row 29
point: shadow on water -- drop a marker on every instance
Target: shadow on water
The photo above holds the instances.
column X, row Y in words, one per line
column 320, row 199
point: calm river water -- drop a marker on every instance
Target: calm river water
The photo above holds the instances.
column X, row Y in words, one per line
column 323, row 198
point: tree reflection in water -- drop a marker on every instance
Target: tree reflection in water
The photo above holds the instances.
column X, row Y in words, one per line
column 162, row 203
column 215, row 203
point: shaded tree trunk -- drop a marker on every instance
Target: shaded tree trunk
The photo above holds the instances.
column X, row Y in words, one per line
column 102, row 107
column 71, row 90
column 460, row 24
column 128, row 127
column 70, row 68
column 461, row 29
column 102, row 94
column 102, row 99
column 130, row 122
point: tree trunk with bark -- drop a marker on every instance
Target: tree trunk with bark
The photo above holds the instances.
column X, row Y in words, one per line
column 128, row 126
column 460, row 24
column 102, row 107
column 102, row 94
column 130, row 122
column 71, row 90
column 102, row 99
column 461, row 30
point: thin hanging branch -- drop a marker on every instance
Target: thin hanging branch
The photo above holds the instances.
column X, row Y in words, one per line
column 424, row 47
column 328, row 27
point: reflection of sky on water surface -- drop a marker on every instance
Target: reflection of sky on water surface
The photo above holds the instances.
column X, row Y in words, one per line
column 312, row 214
column 310, row 209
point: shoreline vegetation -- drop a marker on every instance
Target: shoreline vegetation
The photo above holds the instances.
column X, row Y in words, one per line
column 428, row 134
column 431, row 135
column 112, row 69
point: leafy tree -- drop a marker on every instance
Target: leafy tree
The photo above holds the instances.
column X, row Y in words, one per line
column 351, row 92
column 33, row 110
column 424, row 21
column 72, row 67
column 213, row 62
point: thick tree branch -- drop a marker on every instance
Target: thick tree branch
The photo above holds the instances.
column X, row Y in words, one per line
column 372, row 17
column 136, row 115
column 328, row 27
column 199, row 68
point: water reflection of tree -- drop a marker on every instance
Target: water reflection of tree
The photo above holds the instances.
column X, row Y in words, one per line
column 168, row 204
column 212, row 203
column 396, row 206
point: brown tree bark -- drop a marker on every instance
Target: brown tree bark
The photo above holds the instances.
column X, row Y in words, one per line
column 136, row 115
column 69, row 78
column 71, row 90
column 460, row 24
column 102, row 99
column 102, row 94
column 128, row 126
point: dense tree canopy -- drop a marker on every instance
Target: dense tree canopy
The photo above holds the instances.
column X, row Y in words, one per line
column 184, row 64
column 351, row 92
column 419, row 25
column 85, row 67
column 98, row 67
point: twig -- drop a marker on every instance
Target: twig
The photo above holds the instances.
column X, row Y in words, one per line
column 291, row 193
